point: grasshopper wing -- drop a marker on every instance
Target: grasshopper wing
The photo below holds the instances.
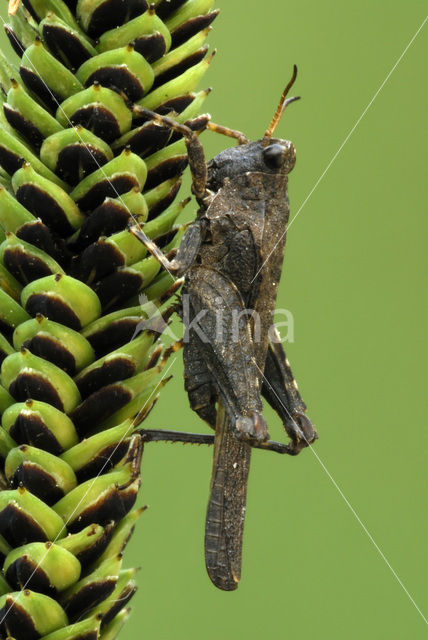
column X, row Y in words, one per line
column 224, row 525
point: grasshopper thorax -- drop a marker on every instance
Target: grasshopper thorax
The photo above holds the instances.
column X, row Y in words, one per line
column 267, row 156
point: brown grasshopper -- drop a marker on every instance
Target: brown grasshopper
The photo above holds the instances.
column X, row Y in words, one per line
column 232, row 257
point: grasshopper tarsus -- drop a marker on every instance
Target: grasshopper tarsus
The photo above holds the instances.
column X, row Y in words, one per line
column 240, row 137
column 182, row 258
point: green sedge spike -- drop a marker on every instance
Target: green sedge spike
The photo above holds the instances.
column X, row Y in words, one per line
column 82, row 305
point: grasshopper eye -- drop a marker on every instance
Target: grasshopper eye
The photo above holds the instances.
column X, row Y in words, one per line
column 274, row 155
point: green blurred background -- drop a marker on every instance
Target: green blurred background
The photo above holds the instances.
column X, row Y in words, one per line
column 353, row 280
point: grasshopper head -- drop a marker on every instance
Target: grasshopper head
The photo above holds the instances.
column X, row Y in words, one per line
column 279, row 155
column 268, row 155
column 273, row 156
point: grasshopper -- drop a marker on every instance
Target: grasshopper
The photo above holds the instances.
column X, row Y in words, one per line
column 231, row 257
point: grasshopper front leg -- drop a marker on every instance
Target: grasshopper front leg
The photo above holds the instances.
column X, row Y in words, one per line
column 195, row 151
column 191, row 242
column 192, row 239
column 186, row 253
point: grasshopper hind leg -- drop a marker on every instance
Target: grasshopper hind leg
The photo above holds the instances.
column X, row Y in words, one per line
column 280, row 390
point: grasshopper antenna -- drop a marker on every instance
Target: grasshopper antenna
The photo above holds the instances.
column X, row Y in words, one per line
column 282, row 104
column 13, row 7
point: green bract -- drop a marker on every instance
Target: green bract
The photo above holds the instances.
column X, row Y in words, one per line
column 77, row 372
